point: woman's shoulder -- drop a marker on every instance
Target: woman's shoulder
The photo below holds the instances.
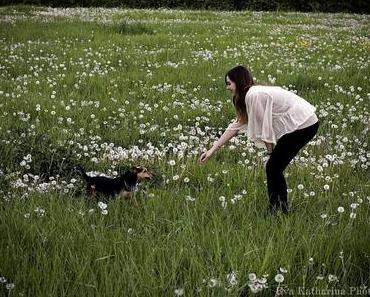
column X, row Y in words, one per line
column 259, row 90
column 264, row 88
column 267, row 90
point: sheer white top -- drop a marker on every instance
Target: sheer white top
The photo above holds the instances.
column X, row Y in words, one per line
column 273, row 112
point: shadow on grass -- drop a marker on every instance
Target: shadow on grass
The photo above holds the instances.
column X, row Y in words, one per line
column 126, row 28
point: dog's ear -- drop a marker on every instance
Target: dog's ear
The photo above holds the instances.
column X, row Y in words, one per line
column 136, row 169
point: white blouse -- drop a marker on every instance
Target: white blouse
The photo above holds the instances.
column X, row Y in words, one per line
column 272, row 112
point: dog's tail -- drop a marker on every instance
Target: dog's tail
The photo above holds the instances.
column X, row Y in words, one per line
column 82, row 171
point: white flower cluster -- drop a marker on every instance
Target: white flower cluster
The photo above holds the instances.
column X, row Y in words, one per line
column 40, row 211
column 257, row 284
column 205, row 54
column 235, row 199
column 179, row 292
column 25, row 162
column 232, row 278
column 103, row 207
column 33, row 183
column 8, row 285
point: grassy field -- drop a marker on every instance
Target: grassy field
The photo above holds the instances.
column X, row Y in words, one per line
column 109, row 88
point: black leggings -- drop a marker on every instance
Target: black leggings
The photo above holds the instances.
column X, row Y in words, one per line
column 285, row 150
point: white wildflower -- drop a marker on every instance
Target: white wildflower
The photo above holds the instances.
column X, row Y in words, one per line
column 179, row 292
column 354, row 205
column 252, row 276
column 232, row 278
column 9, row 286
column 279, row 278
column 256, row 284
column 39, row 211
column 340, row 209
column 213, row 282
column 189, row 198
column 172, row 162
column 102, row 205
column 324, row 216
column 283, row 270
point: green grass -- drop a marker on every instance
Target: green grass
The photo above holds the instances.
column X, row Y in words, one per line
column 110, row 88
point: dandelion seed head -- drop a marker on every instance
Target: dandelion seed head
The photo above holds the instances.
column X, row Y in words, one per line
column 9, row 286
column 340, row 209
column 332, row 278
column 179, row 292
column 283, row 270
column 279, row 278
column 354, row 205
column 213, row 282
column 102, row 205
column 252, row 276
column 232, row 278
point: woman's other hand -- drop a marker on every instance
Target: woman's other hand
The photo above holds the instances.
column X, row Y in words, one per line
column 266, row 159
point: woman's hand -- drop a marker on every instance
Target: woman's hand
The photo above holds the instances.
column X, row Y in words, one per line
column 205, row 156
column 225, row 137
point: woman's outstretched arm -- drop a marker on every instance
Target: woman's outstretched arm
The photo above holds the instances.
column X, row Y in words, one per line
column 225, row 137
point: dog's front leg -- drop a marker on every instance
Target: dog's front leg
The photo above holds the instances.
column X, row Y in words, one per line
column 126, row 195
column 91, row 193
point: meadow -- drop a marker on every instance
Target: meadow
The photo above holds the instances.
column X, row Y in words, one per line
column 110, row 88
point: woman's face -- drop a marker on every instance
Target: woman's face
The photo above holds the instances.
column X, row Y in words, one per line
column 231, row 86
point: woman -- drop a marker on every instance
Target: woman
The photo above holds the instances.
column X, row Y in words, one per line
column 275, row 119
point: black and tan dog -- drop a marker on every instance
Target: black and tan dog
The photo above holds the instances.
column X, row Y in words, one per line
column 122, row 186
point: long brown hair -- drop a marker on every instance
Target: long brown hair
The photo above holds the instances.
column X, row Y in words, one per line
column 243, row 79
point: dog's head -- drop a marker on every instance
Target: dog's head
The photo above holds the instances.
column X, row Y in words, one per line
column 142, row 173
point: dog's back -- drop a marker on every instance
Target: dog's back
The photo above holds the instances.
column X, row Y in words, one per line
column 107, row 186
column 101, row 185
